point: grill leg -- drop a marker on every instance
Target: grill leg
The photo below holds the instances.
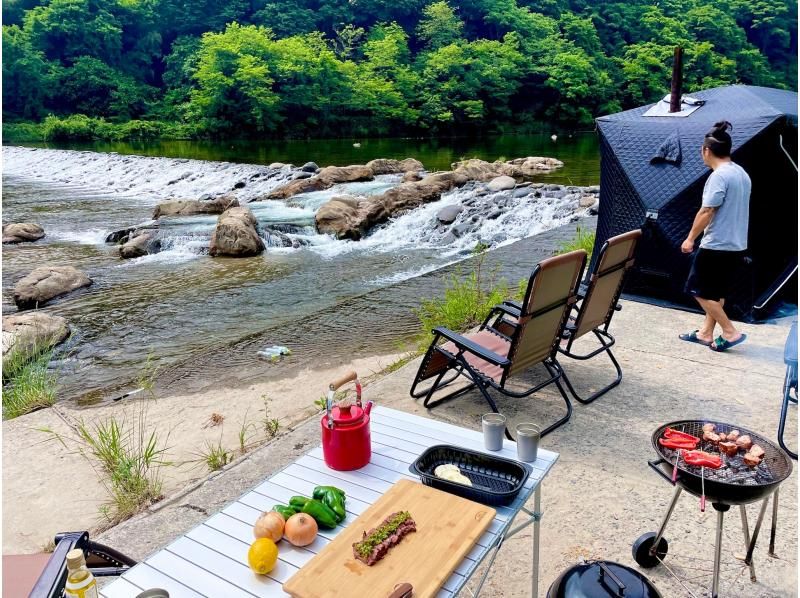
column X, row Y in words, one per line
column 663, row 527
column 717, row 553
column 749, row 558
column 774, row 524
column 746, row 530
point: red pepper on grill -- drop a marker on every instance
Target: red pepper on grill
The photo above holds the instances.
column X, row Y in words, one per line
column 702, row 459
column 679, row 443
column 676, row 434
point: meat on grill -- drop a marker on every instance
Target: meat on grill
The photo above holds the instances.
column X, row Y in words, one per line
column 751, row 460
column 733, row 435
column 729, row 448
column 723, row 437
column 711, row 437
column 757, row 451
column 744, row 442
column 378, row 551
column 709, row 427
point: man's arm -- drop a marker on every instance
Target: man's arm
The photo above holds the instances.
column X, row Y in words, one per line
column 701, row 221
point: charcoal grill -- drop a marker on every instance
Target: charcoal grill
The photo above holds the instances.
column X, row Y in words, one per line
column 733, row 484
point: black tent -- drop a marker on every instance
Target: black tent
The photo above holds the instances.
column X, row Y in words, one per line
column 652, row 177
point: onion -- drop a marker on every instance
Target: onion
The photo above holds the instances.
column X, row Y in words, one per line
column 269, row 525
column 300, row 530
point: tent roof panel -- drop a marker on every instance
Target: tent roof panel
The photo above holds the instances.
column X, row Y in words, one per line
column 635, row 138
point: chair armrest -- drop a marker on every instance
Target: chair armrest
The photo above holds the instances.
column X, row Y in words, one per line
column 467, row 345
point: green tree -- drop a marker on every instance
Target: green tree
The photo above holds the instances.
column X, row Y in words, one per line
column 233, row 81
column 27, row 76
column 439, row 25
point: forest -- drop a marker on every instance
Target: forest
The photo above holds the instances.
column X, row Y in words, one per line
column 314, row 68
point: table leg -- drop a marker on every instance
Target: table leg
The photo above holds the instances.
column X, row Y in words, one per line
column 537, row 508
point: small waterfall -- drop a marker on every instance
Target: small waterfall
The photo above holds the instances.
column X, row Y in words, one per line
column 148, row 179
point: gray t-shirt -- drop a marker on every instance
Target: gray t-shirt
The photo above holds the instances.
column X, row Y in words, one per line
column 728, row 190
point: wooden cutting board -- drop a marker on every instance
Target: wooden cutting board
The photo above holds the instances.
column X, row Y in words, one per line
column 447, row 528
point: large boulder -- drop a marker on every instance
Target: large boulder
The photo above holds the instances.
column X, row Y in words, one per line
column 340, row 217
column 533, row 165
column 22, row 232
column 236, row 234
column 387, row 166
column 46, row 283
column 327, row 177
column 138, row 244
column 28, row 334
column 189, row 207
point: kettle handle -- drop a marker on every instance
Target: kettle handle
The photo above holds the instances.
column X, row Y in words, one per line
column 348, row 377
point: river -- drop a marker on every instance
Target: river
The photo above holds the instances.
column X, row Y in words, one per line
column 201, row 318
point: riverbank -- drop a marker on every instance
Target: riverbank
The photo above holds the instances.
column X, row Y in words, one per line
column 230, row 382
column 601, row 495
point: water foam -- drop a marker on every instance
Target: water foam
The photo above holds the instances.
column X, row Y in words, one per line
column 146, row 179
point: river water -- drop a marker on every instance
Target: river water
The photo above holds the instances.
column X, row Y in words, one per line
column 201, row 318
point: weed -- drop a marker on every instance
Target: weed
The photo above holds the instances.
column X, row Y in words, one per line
column 270, row 424
column 216, row 457
column 127, row 457
column 32, row 385
column 147, row 377
column 466, row 302
column 243, row 434
column 215, row 419
column 584, row 239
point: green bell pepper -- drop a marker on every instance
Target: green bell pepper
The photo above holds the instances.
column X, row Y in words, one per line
column 284, row 510
column 321, row 513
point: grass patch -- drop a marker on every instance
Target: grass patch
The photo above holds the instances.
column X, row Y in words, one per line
column 215, row 456
column 584, row 239
column 30, row 385
column 466, row 301
column 126, row 455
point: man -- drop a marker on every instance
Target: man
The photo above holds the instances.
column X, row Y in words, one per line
column 723, row 220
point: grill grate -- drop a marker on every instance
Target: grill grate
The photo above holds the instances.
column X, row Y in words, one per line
column 774, row 467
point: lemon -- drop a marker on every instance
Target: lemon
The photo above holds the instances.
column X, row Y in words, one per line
column 262, row 556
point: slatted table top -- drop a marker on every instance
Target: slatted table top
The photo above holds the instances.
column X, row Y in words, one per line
column 211, row 559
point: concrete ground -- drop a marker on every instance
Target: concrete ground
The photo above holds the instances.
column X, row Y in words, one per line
column 601, row 495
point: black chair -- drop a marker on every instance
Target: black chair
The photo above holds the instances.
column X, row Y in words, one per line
column 789, row 385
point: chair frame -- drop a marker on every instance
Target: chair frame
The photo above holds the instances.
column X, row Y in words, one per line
column 461, row 367
column 789, row 386
column 605, row 338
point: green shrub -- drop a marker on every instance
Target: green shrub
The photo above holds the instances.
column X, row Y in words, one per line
column 76, row 127
column 31, row 385
column 16, row 132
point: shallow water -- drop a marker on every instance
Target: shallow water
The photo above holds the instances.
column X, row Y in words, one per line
column 180, row 306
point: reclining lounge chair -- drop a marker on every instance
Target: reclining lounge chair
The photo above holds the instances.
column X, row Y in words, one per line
column 488, row 358
column 599, row 297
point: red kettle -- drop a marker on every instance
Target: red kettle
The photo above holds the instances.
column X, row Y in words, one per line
column 345, row 429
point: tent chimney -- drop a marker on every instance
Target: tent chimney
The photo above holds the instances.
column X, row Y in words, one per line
column 677, row 81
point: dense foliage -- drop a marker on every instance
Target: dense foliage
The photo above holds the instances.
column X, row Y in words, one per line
column 332, row 67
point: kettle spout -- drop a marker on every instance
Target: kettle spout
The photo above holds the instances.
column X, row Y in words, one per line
column 368, row 408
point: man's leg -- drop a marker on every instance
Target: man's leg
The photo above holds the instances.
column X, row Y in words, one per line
column 715, row 311
column 706, row 331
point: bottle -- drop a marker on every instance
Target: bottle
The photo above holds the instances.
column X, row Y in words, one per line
column 80, row 581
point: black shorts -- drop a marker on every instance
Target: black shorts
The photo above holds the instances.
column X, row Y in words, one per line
column 713, row 273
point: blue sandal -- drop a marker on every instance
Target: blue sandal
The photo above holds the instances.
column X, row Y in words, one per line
column 691, row 337
column 720, row 344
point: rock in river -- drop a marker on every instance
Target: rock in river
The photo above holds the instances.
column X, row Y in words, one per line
column 139, row 243
column 31, row 333
column 188, row 207
column 327, row 177
column 448, row 214
column 21, row 232
column 46, row 283
column 501, row 183
column 236, row 235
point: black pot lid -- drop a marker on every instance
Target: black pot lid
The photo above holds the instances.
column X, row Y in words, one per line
column 602, row 579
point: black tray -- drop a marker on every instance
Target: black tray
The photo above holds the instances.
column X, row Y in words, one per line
column 495, row 480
